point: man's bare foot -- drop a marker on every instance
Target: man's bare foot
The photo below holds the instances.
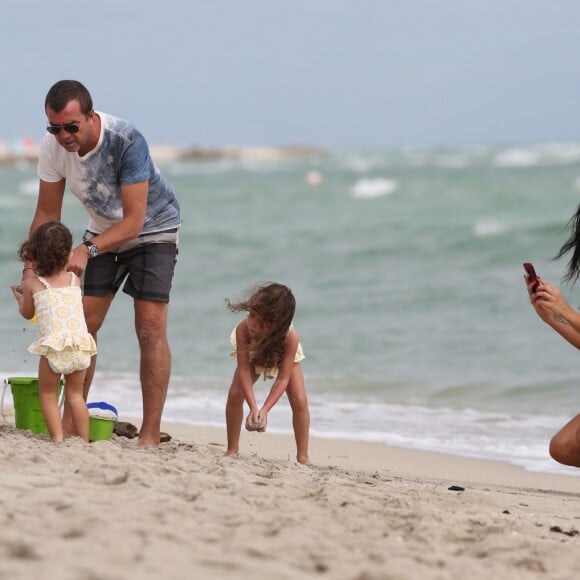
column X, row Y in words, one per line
column 230, row 452
column 148, row 442
column 302, row 459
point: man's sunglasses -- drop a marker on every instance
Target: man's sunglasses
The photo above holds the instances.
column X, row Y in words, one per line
column 68, row 127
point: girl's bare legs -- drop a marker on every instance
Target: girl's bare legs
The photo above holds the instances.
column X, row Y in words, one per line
column 565, row 445
column 95, row 309
column 48, row 392
column 235, row 414
column 300, row 412
column 76, row 403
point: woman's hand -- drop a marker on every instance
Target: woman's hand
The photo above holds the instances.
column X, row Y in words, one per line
column 549, row 297
column 551, row 306
column 553, row 309
column 536, row 292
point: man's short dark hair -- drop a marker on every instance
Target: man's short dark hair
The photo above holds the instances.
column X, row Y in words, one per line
column 62, row 92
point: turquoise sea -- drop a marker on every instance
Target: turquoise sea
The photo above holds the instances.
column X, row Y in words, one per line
column 407, row 269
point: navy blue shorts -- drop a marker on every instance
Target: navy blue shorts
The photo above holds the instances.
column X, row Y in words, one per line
column 147, row 272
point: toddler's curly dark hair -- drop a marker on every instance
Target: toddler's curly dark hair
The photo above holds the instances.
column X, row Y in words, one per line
column 48, row 248
column 275, row 305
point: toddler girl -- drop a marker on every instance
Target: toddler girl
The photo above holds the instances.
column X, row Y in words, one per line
column 65, row 346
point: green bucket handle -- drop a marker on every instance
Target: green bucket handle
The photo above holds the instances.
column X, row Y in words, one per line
column 2, row 400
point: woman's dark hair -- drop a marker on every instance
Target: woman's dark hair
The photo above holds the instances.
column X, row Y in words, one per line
column 275, row 305
column 48, row 248
column 62, row 92
column 573, row 243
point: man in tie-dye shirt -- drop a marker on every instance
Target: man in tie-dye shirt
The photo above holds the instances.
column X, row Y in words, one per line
column 131, row 238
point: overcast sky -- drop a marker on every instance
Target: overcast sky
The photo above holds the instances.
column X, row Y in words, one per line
column 335, row 73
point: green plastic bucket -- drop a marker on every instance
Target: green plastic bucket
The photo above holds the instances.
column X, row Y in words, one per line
column 27, row 410
column 100, row 429
column 102, row 419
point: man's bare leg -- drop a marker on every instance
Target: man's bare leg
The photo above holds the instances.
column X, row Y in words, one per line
column 155, row 368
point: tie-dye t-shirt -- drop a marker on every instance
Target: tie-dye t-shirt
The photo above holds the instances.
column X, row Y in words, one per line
column 121, row 157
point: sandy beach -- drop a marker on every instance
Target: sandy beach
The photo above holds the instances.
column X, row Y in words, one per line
column 361, row 511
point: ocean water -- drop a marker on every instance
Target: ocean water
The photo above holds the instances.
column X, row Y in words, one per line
column 407, row 270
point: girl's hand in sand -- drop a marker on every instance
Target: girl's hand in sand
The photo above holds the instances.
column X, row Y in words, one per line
column 252, row 421
column 262, row 420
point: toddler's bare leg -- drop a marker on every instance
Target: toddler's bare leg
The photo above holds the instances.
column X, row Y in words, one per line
column 77, row 405
column 48, row 393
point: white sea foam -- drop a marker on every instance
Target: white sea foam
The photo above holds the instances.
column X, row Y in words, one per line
column 516, row 157
column 370, row 188
column 544, row 154
column 489, row 228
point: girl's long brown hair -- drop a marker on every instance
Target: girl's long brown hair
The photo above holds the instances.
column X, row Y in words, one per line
column 275, row 305
column 48, row 248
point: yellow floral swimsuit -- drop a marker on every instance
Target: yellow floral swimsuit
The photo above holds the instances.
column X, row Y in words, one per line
column 64, row 338
column 270, row 373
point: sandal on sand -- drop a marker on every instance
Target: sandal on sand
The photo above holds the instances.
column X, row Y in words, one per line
column 164, row 437
column 125, row 429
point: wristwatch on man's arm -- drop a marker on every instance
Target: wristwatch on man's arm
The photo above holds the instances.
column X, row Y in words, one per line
column 92, row 249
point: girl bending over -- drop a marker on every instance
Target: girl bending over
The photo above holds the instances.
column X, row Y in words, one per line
column 267, row 344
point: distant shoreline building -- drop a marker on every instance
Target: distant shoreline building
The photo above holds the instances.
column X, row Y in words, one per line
column 26, row 149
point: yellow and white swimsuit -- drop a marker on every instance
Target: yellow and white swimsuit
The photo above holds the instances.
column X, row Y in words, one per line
column 270, row 373
column 64, row 338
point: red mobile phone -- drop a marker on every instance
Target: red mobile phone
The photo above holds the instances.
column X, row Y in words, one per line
column 529, row 268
